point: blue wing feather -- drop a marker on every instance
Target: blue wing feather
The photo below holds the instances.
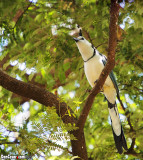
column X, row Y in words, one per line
column 111, row 75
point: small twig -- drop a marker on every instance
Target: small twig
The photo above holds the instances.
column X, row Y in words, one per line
column 131, row 149
column 14, row 142
column 127, row 113
column 101, row 44
column 138, row 89
column 133, row 144
column 21, row 14
column 81, row 68
column 59, row 146
column 88, row 36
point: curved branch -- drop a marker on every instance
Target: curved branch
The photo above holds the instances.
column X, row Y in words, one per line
column 114, row 12
column 46, row 98
column 38, row 94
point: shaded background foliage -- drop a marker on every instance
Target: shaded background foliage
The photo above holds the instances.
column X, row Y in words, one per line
column 37, row 47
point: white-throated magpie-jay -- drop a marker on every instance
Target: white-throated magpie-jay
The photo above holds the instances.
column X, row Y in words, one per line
column 94, row 63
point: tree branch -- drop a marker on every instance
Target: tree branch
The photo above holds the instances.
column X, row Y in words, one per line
column 4, row 60
column 100, row 45
column 20, row 13
column 114, row 12
column 46, row 98
column 5, row 142
column 38, row 94
column 131, row 149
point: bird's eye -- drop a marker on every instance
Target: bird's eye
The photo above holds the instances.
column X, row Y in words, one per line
column 82, row 38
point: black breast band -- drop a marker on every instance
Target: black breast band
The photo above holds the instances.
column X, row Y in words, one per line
column 94, row 53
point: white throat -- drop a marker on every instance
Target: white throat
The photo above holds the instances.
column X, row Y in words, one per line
column 85, row 49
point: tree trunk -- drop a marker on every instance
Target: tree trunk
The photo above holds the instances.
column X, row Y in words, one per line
column 79, row 145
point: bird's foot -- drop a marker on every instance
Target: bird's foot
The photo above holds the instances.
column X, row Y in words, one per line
column 95, row 81
column 88, row 90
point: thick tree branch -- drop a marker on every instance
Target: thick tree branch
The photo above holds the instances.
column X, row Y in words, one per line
column 38, row 94
column 114, row 12
column 46, row 98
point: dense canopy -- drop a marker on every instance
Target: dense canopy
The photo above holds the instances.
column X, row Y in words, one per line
column 38, row 115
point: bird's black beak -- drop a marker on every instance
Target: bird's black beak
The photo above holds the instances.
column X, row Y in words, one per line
column 76, row 39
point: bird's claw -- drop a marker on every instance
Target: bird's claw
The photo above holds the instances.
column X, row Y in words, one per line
column 95, row 81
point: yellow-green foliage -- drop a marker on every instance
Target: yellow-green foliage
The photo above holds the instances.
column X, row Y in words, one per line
column 40, row 41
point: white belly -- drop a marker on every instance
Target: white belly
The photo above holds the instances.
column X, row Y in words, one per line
column 93, row 69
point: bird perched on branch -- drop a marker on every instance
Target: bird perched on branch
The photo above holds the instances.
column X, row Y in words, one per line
column 94, row 63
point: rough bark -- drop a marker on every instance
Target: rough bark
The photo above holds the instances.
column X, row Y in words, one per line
column 79, row 146
column 38, row 94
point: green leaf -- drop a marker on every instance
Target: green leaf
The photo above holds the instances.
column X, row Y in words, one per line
column 66, row 66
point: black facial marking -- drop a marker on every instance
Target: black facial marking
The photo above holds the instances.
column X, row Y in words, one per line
column 80, row 33
column 82, row 38
column 76, row 39
column 78, row 26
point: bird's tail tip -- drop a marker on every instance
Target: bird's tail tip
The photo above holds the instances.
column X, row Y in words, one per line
column 117, row 129
column 120, row 142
